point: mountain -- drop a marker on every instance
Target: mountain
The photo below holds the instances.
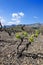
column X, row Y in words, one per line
column 31, row 25
column 8, row 26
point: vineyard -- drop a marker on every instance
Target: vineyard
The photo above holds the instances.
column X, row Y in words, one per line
column 21, row 46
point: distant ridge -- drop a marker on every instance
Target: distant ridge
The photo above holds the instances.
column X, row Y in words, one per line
column 32, row 25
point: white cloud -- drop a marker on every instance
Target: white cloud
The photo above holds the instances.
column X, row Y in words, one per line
column 16, row 17
column 12, row 22
column 35, row 17
column 21, row 14
column 13, row 19
column 2, row 20
column 17, row 22
column 0, row 17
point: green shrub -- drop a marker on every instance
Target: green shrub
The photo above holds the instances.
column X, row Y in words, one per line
column 31, row 39
column 36, row 35
column 32, row 35
column 18, row 36
column 36, row 31
column 25, row 34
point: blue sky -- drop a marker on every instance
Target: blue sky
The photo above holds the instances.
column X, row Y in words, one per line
column 21, row 11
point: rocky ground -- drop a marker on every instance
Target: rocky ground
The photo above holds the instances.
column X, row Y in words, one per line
column 8, row 50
